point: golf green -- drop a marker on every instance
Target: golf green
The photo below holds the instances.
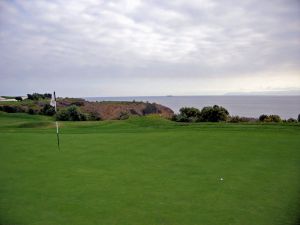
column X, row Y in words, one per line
column 148, row 171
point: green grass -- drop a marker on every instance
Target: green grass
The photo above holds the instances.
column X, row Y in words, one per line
column 148, row 171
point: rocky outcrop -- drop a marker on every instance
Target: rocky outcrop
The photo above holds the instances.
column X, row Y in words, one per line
column 110, row 110
column 122, row 110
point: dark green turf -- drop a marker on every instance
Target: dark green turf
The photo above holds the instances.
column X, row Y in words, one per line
column 147, row 171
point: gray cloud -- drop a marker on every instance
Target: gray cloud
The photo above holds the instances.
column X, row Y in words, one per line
column 88, row 44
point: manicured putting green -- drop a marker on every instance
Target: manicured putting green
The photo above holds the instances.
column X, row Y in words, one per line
column 148, row 171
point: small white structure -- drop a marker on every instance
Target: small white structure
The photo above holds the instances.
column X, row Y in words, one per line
column 7, row 100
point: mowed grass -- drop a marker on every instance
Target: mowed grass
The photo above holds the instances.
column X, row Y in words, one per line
column 147, row 171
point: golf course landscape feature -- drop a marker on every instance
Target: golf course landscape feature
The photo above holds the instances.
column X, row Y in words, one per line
column 148, row 171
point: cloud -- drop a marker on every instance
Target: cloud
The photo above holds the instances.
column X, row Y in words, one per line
column 141, row 40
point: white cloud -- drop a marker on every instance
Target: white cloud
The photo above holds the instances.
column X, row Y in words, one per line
column 185, row 40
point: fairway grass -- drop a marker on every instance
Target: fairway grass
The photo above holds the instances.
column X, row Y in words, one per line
column 148, row 171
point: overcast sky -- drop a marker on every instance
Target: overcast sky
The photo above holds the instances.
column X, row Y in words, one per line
column 132, row 47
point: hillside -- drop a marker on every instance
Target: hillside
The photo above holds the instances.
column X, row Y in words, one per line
column 96, row 110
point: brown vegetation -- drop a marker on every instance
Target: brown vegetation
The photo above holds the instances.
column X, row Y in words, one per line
column 93, row 110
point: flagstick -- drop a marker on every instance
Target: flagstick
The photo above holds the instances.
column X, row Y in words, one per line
column 57, row 133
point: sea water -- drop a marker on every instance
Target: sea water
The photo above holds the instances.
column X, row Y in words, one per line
column 248, row 106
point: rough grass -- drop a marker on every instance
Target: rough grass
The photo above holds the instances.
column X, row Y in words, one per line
column 148, row 171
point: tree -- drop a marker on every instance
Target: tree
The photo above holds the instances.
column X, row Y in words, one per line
column 299, row 118
column 19, row 98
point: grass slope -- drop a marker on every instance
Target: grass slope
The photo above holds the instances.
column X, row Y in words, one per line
column 147, row 171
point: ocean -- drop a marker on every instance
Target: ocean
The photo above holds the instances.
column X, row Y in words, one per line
column 248, row 106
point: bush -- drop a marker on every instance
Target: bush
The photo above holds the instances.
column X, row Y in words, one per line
column 71, row 113
column 78, row 103
column 291, row 120
column 32, row 111
column 133, row 112
column 187, row 114
column 47, row 110
column 275, row 118
column 264, row 118
column 124, row 116
column 62, row 115
column 19, row 98
column 37, row 96
column 150, row 109
column 10, row 109
column 270, row 118
column 234, row 119
column 94, row 116
column 47, row 95
column 207, row 114
column 75, row 113
column 213, row 114
column 180, row 118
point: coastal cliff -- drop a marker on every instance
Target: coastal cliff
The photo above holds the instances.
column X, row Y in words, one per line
column 105, row 110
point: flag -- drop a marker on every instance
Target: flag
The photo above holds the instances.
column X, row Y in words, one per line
column 53, row 101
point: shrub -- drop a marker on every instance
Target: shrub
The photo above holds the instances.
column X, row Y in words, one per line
column 124, row 116
column 78, row 103
column 32, row 111
column 213, row 114
column 133, row 112
column 75, row 114
column 94, row 116
column 191, row 113
column 47, row 95
column 180, row 118
column 234, row 119
column 187, row 114
column 270, row 118
column 71, row 113
column 264, row 118
column 9, row 109
column 150, row 109
column 291, row 120
column 19, row 98
column 37, row 96
column 207, row 114
column 14, row 108
column 275, row 118
column 48, row 110
column 62, row 115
